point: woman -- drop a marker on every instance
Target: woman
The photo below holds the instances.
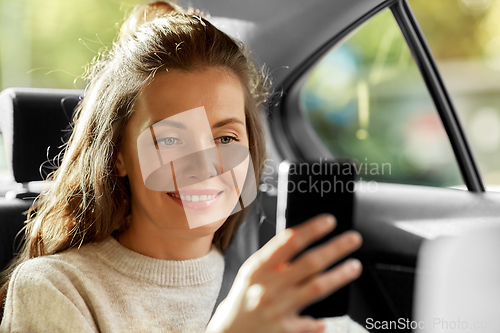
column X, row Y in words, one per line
column 121, row 243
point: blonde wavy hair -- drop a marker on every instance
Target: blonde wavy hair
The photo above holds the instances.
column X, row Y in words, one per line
column 88, row 201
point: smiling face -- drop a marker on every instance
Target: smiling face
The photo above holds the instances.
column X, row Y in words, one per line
column 184, row 149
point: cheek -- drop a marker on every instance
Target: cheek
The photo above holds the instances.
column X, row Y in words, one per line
column 160, row 180
column 134, row 171
column 240, row 173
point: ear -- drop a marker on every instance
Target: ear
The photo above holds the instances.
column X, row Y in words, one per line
column 120, row 165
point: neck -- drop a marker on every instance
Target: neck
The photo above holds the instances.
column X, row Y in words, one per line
column 166, row 244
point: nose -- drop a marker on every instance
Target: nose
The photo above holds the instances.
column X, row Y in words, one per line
column 198, row 166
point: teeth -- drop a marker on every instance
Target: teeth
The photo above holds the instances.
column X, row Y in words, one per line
column 195, row 198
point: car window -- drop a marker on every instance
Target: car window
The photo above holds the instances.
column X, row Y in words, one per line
column 464, row 37
column 366, row 100
column 47, row 44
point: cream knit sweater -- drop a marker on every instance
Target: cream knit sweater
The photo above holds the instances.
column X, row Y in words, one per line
column 105, row 287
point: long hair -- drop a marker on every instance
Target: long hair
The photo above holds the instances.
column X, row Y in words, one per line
column 88, row 201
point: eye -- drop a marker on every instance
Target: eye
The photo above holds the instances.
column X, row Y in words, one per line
column 169, row 141
column 226, row 139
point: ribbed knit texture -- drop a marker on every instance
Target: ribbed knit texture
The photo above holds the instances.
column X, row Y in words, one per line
column 173, row 273
column 105, row 287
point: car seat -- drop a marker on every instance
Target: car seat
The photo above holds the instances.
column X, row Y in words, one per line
column 33, row 124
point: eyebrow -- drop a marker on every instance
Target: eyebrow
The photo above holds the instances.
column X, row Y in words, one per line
column 173, row 124
column 227, row 121
column 216, row 125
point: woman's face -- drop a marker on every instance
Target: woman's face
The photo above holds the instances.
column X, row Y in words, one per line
column 184, row 148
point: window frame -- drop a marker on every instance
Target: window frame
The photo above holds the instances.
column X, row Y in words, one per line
column 287, row 119
column 435, row 85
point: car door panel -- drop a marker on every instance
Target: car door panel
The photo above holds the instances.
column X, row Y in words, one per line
column 394, row 221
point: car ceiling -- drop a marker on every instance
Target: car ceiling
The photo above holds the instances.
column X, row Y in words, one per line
column 283, row 33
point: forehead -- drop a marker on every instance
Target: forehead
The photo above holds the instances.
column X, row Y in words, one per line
column 217, row 90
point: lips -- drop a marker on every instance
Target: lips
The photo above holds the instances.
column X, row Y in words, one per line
column 196, row 192
column 196, row 199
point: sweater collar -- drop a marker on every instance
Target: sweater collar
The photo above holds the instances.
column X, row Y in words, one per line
column 175, row 273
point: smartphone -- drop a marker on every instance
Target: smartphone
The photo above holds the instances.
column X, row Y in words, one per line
column 307, row 189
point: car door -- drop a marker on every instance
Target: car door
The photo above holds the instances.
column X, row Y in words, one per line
column 372, row 92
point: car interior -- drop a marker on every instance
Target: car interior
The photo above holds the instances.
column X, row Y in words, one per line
column 308, row 120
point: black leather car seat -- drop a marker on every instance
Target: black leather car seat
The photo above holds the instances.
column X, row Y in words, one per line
column 34, row 123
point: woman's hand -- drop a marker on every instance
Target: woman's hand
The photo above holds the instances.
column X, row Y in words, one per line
column 269, row 292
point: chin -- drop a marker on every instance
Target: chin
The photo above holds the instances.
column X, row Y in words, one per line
column 210, row 227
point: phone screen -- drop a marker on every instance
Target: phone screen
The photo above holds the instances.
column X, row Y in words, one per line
column 307, row 189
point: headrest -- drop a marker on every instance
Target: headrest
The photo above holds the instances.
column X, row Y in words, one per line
column 457, row 287
column 35, row 123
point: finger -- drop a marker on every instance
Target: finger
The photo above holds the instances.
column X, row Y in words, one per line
column 323, row 285
column 317, row 259
column 291, row 241
column 303, row 324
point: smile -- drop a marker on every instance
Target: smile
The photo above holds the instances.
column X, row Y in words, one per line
column 194, row 197
column 196, row 200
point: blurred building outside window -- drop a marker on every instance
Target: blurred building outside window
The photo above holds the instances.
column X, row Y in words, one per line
column 366, row 100
column 464, row 37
